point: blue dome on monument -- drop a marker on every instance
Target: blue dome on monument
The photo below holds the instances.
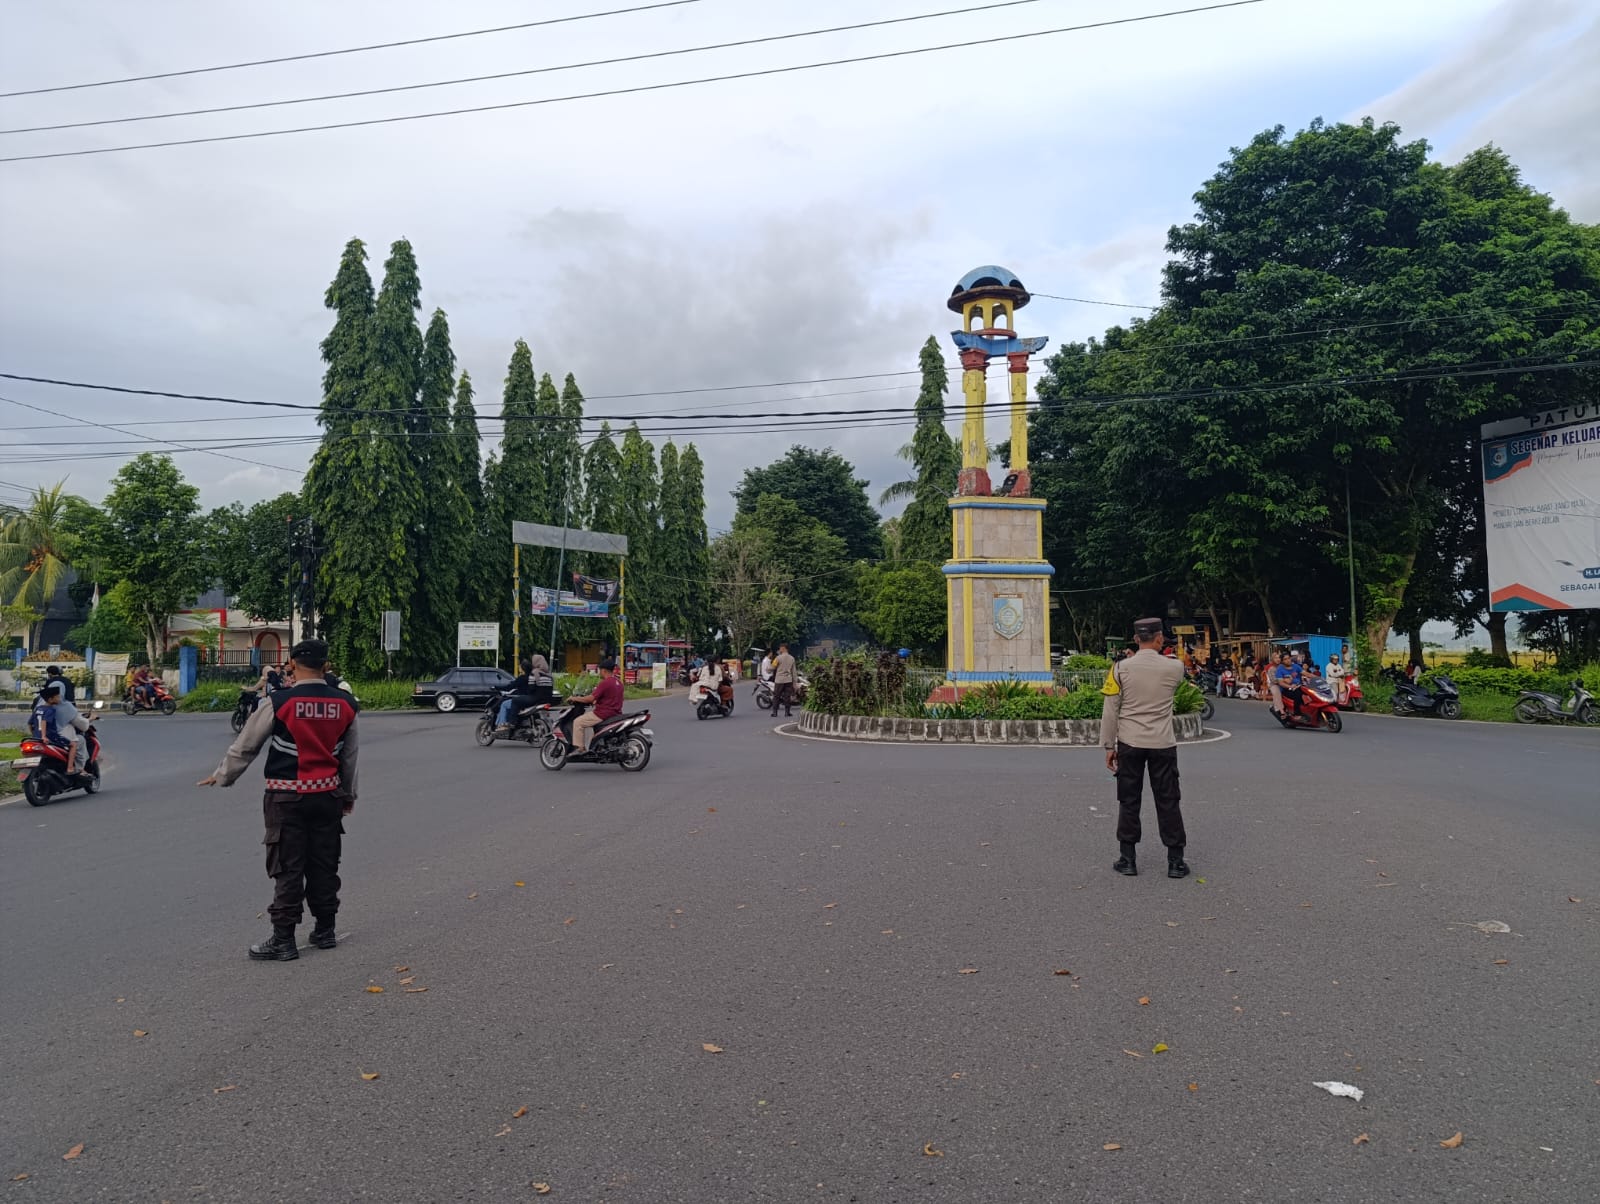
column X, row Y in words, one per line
column 991, row 280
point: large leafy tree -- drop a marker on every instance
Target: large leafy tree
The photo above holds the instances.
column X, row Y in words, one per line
column 903, row 606
column 1339, row 319
column 482, row 592
column 802, row 562
column 363, row 487
column 445, row 538
column 152, row 544
column 639, row 516
column 251, row 555
column 824, row 486
column 517, row 482
column 936, row 459
column 39, row 543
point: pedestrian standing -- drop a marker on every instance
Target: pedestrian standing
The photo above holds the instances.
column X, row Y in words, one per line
column 311, row 785
column 783, row 682
column 1136, row 731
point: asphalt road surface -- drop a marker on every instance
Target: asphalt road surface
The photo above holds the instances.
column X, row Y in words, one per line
column 924, row 980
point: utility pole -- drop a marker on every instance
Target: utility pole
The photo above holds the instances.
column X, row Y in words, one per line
column 1350, row 556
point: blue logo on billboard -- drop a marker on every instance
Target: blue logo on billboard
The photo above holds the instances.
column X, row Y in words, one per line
column 1592, row 574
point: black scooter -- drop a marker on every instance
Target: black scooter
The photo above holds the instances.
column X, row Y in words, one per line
column 1412, row 698
column 621, row 740
column 1535, row 706
column 716, row 704
column 530, row 723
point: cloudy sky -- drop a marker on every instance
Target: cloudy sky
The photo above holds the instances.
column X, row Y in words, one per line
column 796, row 227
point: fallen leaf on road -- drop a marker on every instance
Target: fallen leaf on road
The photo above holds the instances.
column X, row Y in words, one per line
column 473, row 895
column 887, row 932
column 1342, row 1089
column 1492, row 926
column 415, row 990
column 1194, row 1086
column 401, row 969
column 504, row 1129
column 1361, row 1139
column 408, row 980
column 967, row 970
column 829, row 906
column 543, row 1189
column 1131, row 1054
column 18, row 1178
column 1501, row 961
column 374, row 990
column 368, row 1077
column 710, row 808
column 960, row 1074
column 1451, row 1143
column 608, row 965
column 1144, row 1001
column 1199, row 881
column 1381, row 874
column 72, row 1153
column 710, row 1048
column 520, row 1112
column 928, row 1151
column 139, row 1032
column 1386, row 884
column 519, row 884
column 1574, row 899
column 1160, row 1047
column 229, row 1087
column 1172, row 923
column 1230, row 971
column 121, row 1000
column 1061, row 973
column 677, row 911
column 1111, row 1145
column 1305, row 905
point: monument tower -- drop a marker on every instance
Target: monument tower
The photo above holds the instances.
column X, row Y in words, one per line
column 997, row 581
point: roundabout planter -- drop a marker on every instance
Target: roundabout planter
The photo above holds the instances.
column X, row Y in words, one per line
column 890, row 729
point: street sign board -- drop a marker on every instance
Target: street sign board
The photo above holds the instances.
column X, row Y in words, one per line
column 478, row 637
column 391, row 631
column 571, row 538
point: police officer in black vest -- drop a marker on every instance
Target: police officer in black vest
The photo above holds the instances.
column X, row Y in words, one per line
column 309, row 731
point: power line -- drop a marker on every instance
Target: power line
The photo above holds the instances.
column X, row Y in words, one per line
column 323, row 54
column 634, row 89
column 499, row 75
column 1051, row 296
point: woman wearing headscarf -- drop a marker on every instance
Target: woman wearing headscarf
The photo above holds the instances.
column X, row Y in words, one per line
column 533, row 687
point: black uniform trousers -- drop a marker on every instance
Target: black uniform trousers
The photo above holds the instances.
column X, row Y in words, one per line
column 1163, row 766
column 303, row 844
column 783, row 696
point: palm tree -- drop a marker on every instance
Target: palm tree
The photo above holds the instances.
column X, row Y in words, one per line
column 36, row 548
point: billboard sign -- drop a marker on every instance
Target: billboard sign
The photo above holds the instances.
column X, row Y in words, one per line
column 1541, row 506
column 477, row 637
column 572, row 606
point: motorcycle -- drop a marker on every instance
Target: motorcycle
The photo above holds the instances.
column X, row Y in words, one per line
column 621, row 740
column 1208, row 681
column 765, row 691
column 244, row 708
column 43, row 770
column 717, row 705
column 161, row 700
column 529, row 723
column 1353, row 701
column 1317, row 708
column 1412, row 698
column 1535, row 706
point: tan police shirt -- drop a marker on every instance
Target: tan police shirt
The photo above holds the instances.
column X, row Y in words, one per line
column 1138, row 701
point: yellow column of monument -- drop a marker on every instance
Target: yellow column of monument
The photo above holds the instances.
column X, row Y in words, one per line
column 974, row 447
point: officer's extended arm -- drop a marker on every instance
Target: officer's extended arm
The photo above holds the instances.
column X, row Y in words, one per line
column 1110, row 709
column 250, row 741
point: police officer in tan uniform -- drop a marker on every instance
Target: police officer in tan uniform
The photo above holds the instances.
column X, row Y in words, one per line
column 1137, row 733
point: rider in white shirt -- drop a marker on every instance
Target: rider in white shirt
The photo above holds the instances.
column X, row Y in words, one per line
column 1335, row 673
column 765, row 671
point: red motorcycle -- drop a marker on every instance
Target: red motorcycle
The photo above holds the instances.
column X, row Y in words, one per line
column 1353, row 701
column 1317, row 708
column 43, row 770
column 160, row 699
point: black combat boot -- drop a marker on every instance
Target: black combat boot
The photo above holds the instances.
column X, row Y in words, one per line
column 1128, row 863
column 323, row 936
column 279, row 947
column 1177, row 867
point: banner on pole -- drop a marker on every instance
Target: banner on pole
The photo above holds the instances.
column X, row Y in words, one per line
column 544, row 602
column 478, row 637
column 594, row 590
column 1541, row 507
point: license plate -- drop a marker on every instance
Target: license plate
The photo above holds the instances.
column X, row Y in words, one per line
column 26, row 763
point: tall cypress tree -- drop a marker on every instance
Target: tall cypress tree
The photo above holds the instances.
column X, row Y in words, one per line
column 602, row 493
column 515, row 483
column 480, row 595
column 443, row 540
column 925, row 526
column 670, row 592
column 694, row 546
column 367, row 497
column 640, row 497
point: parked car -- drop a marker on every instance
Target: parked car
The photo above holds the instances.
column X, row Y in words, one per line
column 460, row 686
